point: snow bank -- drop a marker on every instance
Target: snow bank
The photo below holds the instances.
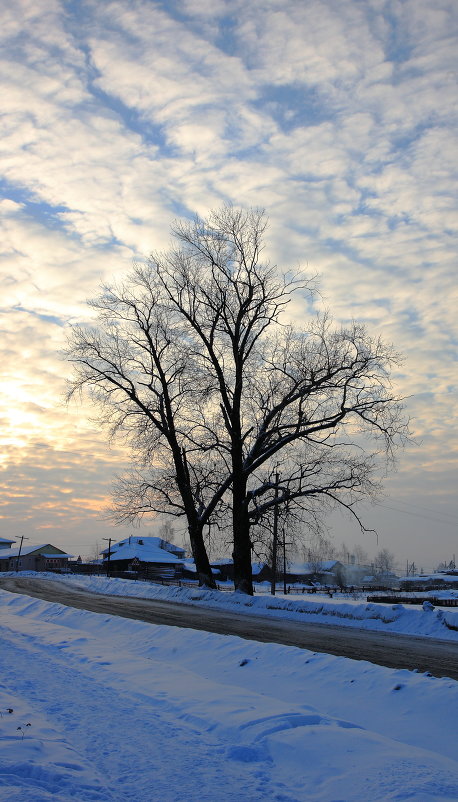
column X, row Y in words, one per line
column 167, row 713
column 436, row 623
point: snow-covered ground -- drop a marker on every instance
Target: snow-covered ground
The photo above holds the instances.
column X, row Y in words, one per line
column 114, row 710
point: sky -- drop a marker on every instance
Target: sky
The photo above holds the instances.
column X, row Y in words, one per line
column 120, row 117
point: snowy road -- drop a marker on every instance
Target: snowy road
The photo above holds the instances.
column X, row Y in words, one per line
column 438, row 657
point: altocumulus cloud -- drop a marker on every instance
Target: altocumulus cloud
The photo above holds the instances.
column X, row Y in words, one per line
column 339, row 118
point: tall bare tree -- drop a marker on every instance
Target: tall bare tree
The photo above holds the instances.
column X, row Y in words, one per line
column 194, row 362
column 301, row 400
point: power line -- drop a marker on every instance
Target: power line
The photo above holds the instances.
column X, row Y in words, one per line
column 428, row 509
column 419, row 515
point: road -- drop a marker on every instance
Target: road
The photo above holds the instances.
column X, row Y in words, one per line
column 438, row 657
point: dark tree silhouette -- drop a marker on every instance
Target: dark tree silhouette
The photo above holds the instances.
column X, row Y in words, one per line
column 192, row 360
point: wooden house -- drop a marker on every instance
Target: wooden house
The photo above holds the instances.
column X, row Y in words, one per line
column 150, row 556
column 45, row 557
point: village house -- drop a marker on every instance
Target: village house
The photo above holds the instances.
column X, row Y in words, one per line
column 151, row 556
column 45, row 557
column 437, row 581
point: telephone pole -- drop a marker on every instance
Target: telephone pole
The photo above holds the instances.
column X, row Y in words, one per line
column 284, row 557
column 109, row 553
column 275, row 542
column 20, row 549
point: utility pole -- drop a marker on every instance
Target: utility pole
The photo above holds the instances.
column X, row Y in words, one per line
column 109, row 553
column 275, row 542
column 20, row 549
column 284, row 557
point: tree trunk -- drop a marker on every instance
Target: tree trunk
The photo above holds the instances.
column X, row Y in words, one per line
column 195, row 528
column 199, row 553
column 241, row 555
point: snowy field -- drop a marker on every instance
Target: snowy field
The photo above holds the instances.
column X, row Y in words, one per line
column 97, row 707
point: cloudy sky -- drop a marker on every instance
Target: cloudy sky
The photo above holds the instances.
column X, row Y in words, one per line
column 119, row 117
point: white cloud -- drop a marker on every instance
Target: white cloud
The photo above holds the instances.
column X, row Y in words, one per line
column 337, row 117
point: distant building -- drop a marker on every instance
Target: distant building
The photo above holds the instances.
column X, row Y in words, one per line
column 439, row 580
column 327, row 572
column 34, row 558
column 223, row 569
column 358, row 574
column 152, row 556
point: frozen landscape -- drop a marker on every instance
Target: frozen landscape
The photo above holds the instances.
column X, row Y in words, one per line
column 97, row 707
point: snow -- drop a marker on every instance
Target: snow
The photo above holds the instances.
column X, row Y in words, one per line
column 146, row 549
column 410, row 620
column 124, row 711
column 432, row 578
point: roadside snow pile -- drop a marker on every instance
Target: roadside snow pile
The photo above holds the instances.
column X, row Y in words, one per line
column 436, row 623
column 166, row 713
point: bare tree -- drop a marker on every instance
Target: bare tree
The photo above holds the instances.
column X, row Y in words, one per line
column 302, row 401
column 94, row 553
column 138, row 367
column 193, row 363
column 166, row 532
column 384, row 562
column 318, row 549
column 343, row 554
column 361, row 555
column 446, row 566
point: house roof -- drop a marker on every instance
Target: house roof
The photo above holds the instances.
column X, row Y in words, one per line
column 256, row 568
column 311, row 568
column 5, row 540
column 26, row 550
column 147, row 542
column 146, row 553
column 441, row 576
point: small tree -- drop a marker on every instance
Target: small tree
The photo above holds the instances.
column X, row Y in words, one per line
column 384, row 562
column 361, row 555
column 318, row 549
column 166, row 532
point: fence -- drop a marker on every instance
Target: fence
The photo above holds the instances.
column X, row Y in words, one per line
column 437, row 602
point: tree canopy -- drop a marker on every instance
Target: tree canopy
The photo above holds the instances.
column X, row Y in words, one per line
column 230, row 411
